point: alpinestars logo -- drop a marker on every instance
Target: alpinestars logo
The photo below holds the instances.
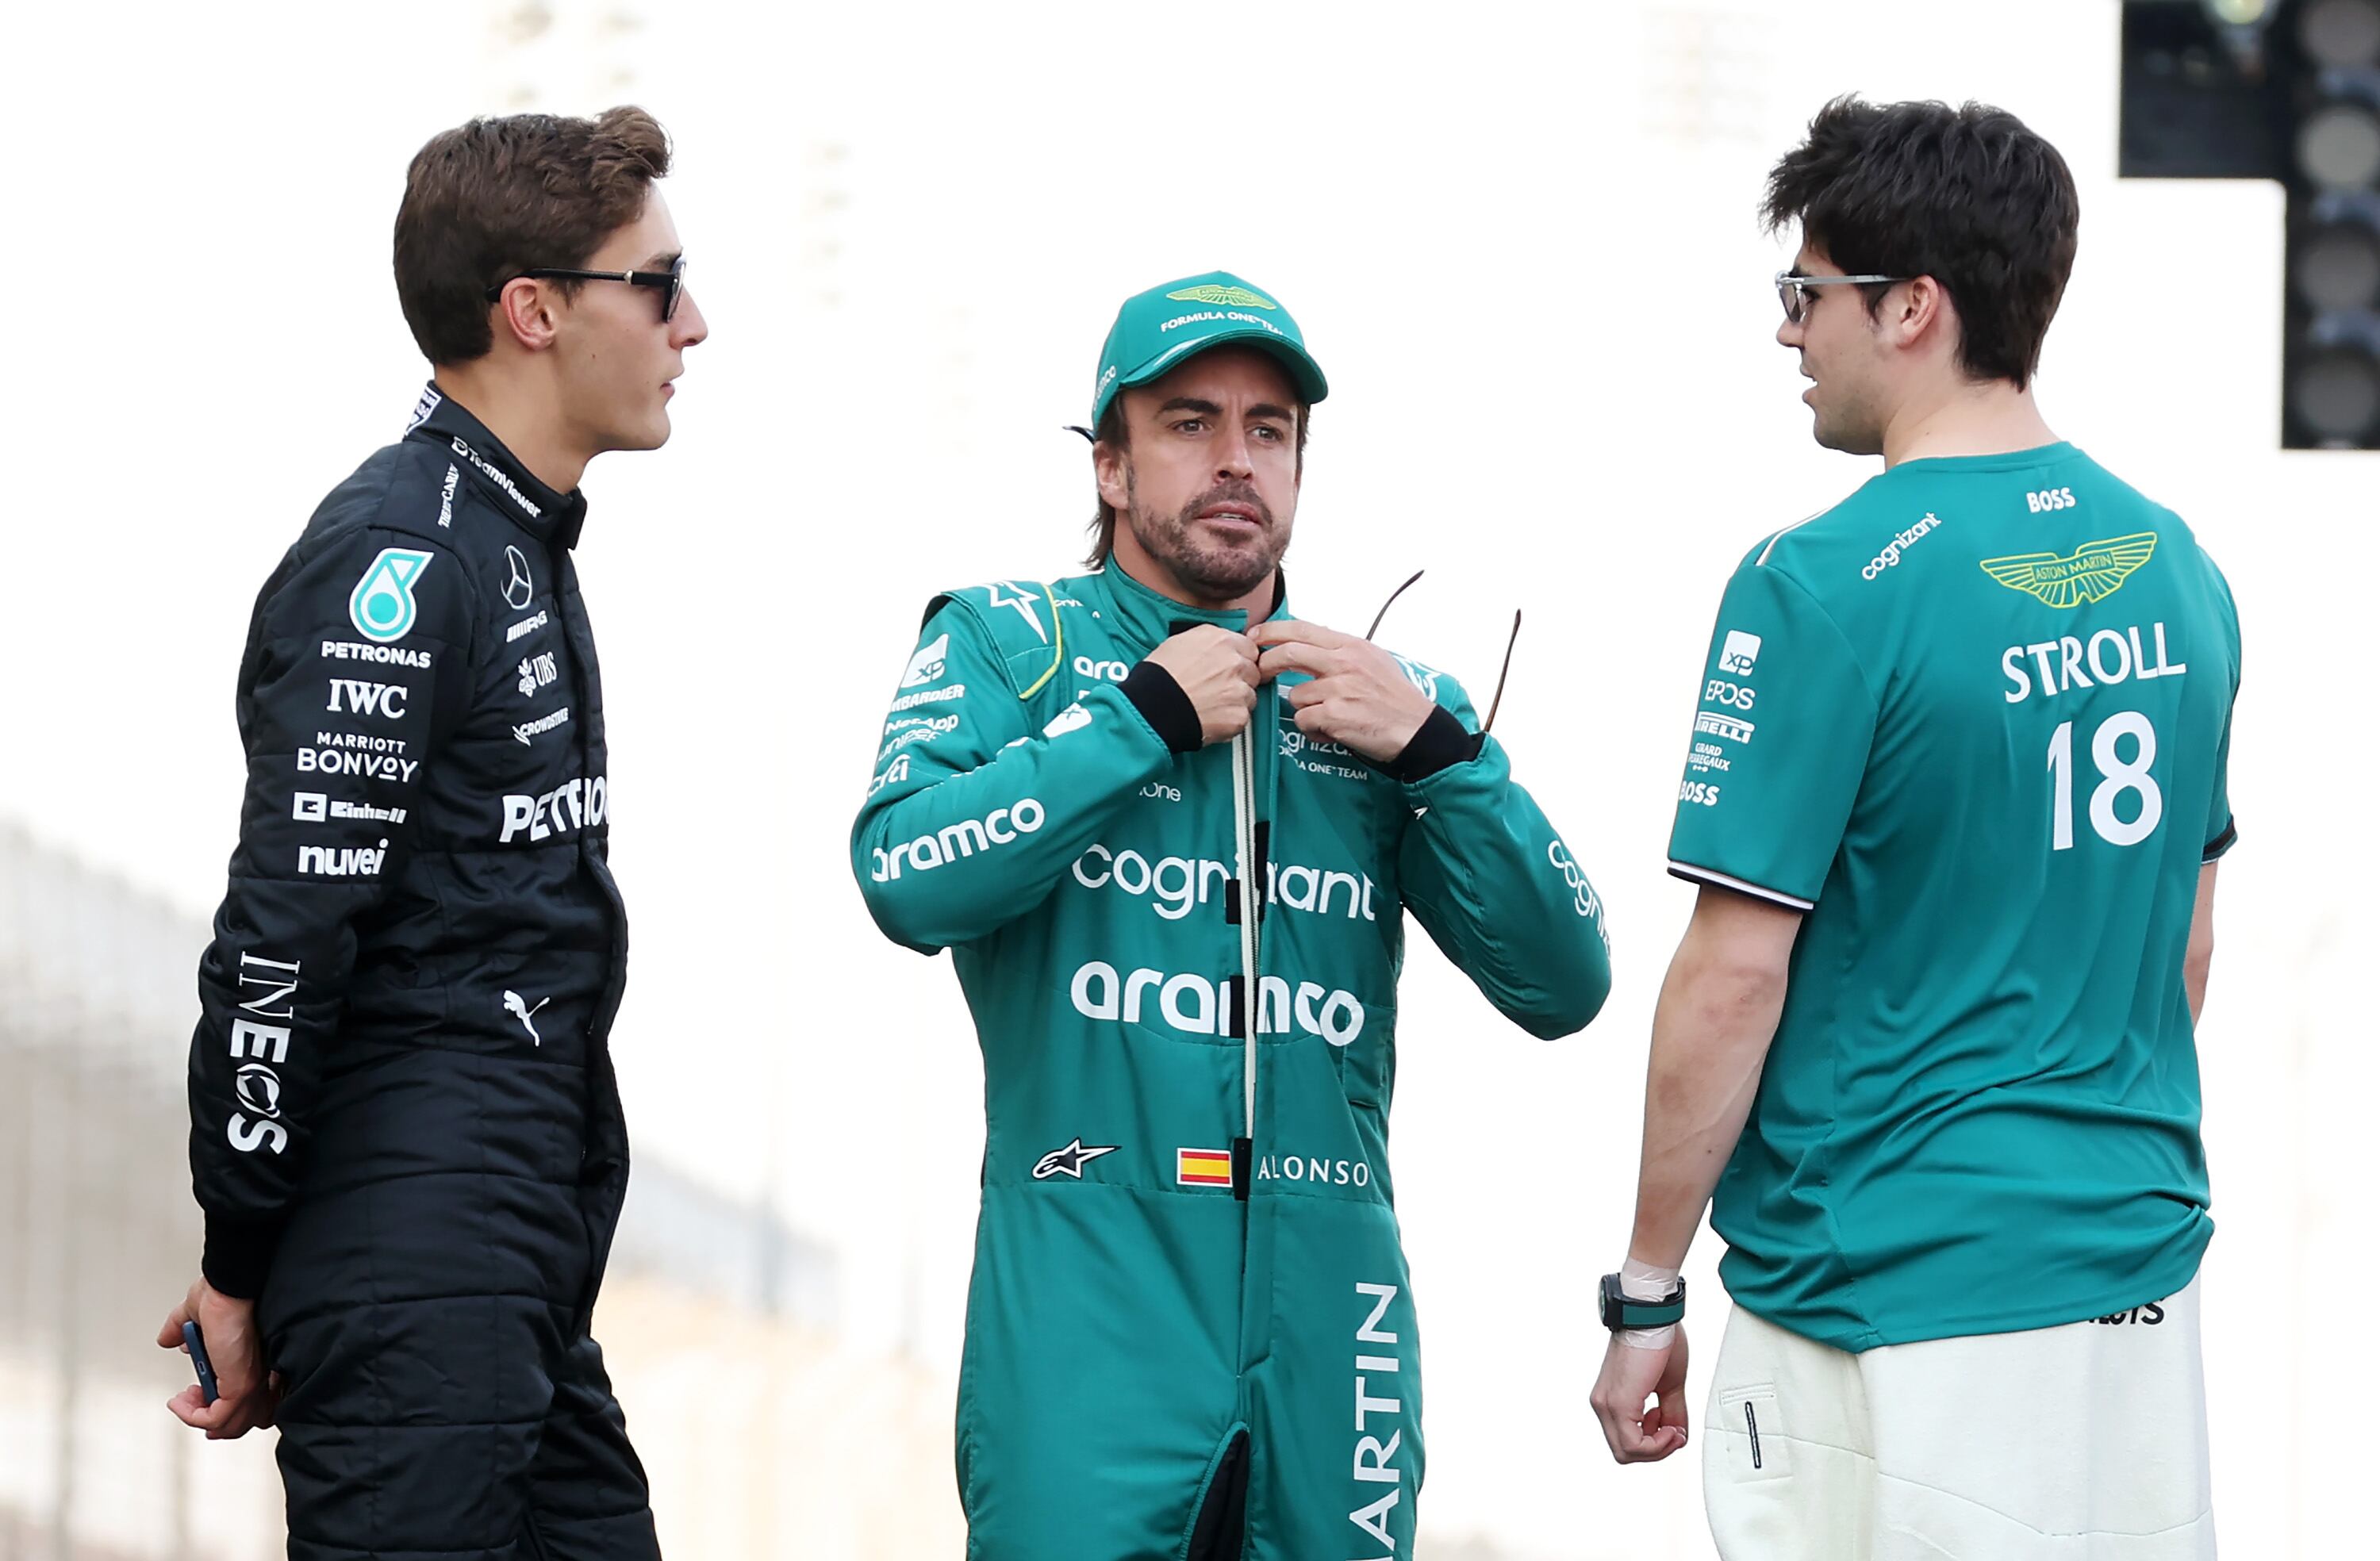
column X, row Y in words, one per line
column 927, row 664
column 1070, row 1160
column 1008, row 593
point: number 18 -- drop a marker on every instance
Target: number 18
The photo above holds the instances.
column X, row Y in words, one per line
column 2117, row 778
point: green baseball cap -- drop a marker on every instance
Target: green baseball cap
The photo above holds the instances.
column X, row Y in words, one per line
column 1157, row 332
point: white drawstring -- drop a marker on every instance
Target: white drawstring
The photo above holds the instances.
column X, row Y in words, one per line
column 1243, row 823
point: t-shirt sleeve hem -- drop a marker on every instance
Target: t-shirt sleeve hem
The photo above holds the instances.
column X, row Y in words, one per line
column 1692, row 873
column 2221, row 844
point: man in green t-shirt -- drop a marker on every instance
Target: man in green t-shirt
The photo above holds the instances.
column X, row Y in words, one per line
column 1954, row 797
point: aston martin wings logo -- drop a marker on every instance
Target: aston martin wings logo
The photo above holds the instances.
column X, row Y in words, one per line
column 2094, row 572
column 1214, row 293
column 1070, row 1160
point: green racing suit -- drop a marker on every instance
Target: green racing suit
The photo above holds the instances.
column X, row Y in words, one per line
column 1190, row 1317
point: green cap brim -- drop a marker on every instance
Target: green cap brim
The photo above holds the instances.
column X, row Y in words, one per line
column 1303, row 372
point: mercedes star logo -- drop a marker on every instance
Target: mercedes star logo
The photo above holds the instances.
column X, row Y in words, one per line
column 517, row 589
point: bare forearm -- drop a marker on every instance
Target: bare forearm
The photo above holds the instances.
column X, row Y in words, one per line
column 1711, row 1032
column 2200, row 958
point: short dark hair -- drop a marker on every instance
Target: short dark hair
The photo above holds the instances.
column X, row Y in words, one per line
column 498, row 197
column 1113, row 433
column 1967, row 196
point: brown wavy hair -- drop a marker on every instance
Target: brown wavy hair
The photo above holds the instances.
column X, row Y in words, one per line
column 492, row 199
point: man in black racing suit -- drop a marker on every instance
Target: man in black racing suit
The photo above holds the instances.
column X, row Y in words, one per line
column 406, row 1131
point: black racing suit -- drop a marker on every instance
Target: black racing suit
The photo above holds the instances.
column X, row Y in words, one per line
column 404, row 1128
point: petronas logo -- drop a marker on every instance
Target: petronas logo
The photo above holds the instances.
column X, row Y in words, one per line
column 1212, row 293
column 382, row 603
column 2094, row 572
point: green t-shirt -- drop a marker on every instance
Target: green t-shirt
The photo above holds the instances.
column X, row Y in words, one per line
column 1973, row 722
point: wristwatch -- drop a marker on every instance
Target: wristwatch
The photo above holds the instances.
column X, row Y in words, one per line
column 1621, row 1312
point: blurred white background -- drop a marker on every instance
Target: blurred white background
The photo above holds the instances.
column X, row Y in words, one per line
column 1521, row 240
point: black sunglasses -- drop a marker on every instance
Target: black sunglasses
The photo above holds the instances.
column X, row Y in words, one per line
column 1494, row 705
column 671, row 280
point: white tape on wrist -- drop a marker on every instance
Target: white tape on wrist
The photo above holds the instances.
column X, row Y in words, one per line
column 1642, row 1282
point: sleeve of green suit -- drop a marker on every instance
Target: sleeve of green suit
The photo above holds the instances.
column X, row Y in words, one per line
column 1493, row 883
column 975, row 812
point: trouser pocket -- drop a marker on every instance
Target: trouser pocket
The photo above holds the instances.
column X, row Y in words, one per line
column 1752, row 1427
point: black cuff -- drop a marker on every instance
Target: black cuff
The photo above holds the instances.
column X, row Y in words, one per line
column 1163, row 704
column 239, row 1254
column 1440, row 743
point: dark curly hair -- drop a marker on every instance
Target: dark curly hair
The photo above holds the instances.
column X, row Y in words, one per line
column 1967, row 196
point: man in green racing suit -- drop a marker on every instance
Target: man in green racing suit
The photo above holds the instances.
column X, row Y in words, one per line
column 1169, row 833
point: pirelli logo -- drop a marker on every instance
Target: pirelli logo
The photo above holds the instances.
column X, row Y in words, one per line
column 1203, row 1168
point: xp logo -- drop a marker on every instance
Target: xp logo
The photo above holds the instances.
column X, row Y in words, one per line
column 1069, row 1161
column 382, row 603
column 1740, row 653
column 518, row 587
column 928, row 663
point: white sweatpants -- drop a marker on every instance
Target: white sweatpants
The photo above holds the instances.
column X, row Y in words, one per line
column 2086, row 1442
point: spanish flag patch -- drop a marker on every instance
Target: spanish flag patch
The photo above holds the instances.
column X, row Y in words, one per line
column 1203, row 1167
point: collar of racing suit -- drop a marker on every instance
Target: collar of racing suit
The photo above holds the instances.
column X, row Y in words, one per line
column 554, row 518
column 1144, row 619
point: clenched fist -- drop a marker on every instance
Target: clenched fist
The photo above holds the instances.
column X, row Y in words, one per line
column 1218, row 670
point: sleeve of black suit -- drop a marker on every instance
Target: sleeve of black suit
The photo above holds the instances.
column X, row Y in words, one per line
column 357, row 660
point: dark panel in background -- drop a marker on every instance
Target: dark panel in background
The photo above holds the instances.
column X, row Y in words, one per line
column 2288, row 91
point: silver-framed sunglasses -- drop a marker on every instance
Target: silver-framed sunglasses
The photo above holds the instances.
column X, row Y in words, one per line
column 1793, row 291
